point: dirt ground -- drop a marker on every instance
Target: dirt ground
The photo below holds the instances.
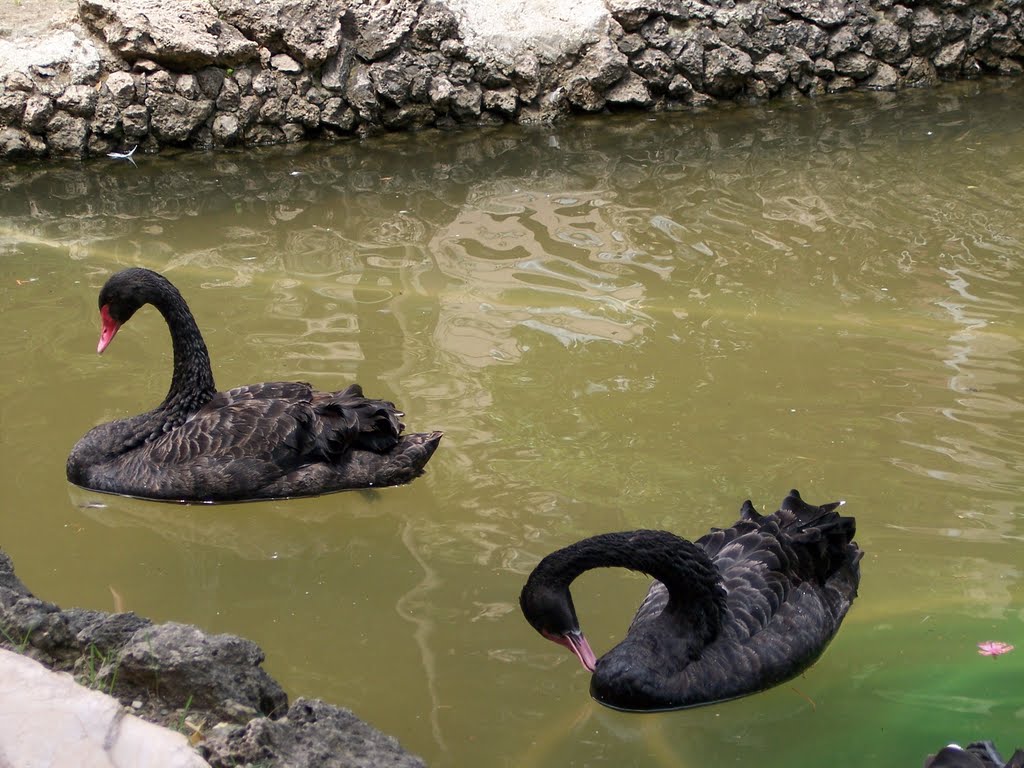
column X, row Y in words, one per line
column 32, row 18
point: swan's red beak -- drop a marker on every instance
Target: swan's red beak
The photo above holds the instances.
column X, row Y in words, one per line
column 110, row 326
column 577, row 643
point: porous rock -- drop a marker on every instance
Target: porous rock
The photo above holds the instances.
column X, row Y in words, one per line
column 726, row 70
column 173, row 118
column 170, row 33
column 37, row 113
column 219, row 673
column 312, row 733
column 309, row 30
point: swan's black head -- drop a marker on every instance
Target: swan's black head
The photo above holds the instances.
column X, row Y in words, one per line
column 549, row 609
column 122, row 295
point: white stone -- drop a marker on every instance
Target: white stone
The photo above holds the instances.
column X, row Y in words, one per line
column 47, row 719
column 285, row 63
column 65, row 49
column 548, row 28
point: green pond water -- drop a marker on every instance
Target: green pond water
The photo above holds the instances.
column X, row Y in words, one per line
column 635, row 321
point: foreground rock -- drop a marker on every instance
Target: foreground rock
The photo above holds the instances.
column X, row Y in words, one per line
column 210, row 687
column 213, row 73
column 46, row 718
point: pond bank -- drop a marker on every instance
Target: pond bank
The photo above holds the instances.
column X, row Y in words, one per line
column 210, row 689
column 109, row 76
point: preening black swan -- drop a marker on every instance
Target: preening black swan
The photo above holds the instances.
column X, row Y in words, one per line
column 738, row 611
column 978, row 754
column 262, row 441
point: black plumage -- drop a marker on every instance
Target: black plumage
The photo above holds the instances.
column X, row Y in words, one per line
column 262, row 441
column 739, row 610
column 977, row 754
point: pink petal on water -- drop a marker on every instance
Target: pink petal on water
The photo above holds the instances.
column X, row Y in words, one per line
column 994, row 648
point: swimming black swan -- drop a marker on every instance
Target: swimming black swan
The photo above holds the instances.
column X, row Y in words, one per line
column 978, row 754
column 740, row 610
column 263, row 441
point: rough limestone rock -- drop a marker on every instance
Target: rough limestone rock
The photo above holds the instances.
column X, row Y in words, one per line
column 67, row 134
column 37, row 113
column 602, row 66
column 885, row 78
column 12, row 105
column 174, row 34
column 64, row 56
column 309, row 30
column 174, row 118
column 827, row 13
column 220, row 673
column 379, row 27
column 889, row 42
column 726, row 69
column 548, row 30
column 629, row 91
column 312, row 733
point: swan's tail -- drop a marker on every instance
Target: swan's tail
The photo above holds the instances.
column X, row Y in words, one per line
column 349, row 420
column 404, row 463
column 797, row 516
column 823, row 536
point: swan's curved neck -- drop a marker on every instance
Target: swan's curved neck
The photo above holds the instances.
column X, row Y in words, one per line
column 192, row 380
column 685, row 569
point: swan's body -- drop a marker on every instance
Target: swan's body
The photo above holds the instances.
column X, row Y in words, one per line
column 978, row 754
column 737, row 611
column 262, row 441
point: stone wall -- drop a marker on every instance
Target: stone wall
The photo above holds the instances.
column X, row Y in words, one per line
column 200, row 74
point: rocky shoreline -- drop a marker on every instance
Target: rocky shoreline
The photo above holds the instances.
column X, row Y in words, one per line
column 117, row 74
column 211, row 687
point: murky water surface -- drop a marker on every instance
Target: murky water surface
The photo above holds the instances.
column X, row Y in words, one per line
column 619, row 323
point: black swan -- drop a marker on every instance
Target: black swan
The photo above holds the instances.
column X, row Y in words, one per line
column 978, row 754
column 262, row 441
column 740, row 610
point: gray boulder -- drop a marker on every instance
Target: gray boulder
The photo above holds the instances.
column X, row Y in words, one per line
column 381, row 26
column 725, row 70
column 890, row 42
column 12, row 106
column 885, row 78
column 950, row 57
column 309, row 30
column 313, row 733
column 773, row 69
column 217, row 673
column 121, row 87
column 631, row 90
column 827, row 13
column 67, row 134
column 174, row 118
column 184, row 35
column 603, row 65
column 856, row 65
column 38, row 111
column 79, row 100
